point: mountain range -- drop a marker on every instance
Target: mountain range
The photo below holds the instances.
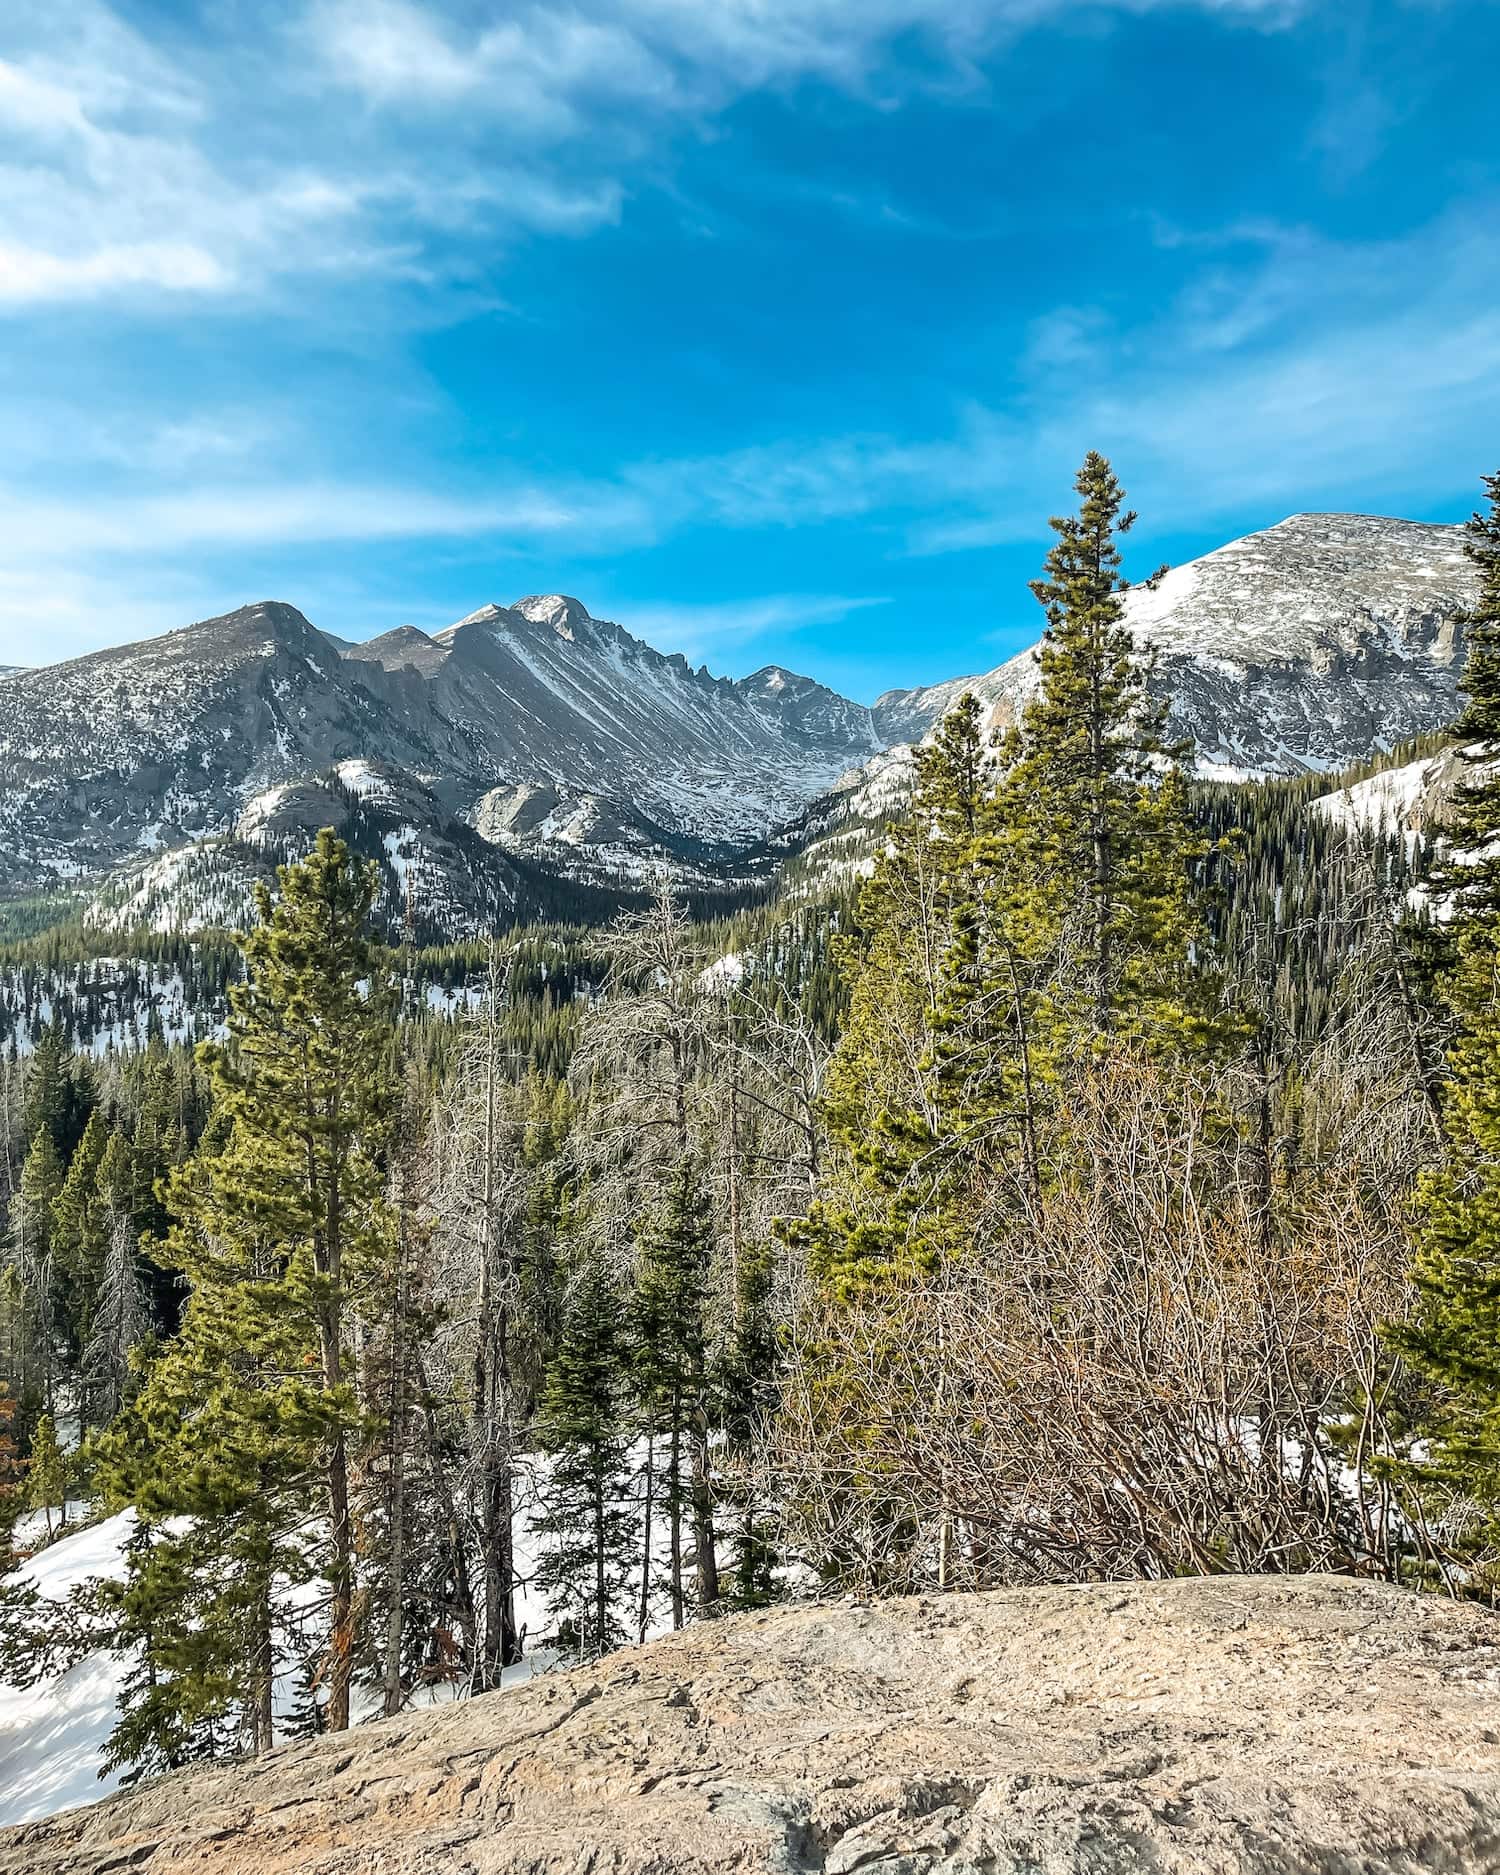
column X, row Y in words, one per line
column 532, row 742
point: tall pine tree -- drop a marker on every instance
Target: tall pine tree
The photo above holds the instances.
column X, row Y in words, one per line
column 672, row 1370
column 1453, row 1334
column 589, row 1525
column 282, row 1226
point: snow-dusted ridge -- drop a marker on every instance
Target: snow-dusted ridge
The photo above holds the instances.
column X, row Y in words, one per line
column 1304, row 647
column 561, row 740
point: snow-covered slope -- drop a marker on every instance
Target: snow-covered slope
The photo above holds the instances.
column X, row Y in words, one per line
column 439, row 878
column 52, row 1734
column 592, row 710
column 1413, row 798
column 1307, row 646
column 1406, row 799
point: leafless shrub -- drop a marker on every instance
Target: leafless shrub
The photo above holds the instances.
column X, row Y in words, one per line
column 1165, row 1361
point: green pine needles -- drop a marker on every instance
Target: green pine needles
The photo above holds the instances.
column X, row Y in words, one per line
column 1041, row 906
column 283, row 1233
column 1453, row 1335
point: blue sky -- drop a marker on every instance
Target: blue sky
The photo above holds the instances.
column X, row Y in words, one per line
column 772, row 328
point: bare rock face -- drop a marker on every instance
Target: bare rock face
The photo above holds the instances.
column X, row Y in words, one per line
column 1234, row 1726
column 173, row 739
column 1309, row 645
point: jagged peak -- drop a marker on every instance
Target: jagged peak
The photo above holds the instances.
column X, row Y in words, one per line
column 486, row 615
column 275, row 613
column 564, row 614
column 403, row 646
column 248, row 625
column 774, row 677
column 568, row 618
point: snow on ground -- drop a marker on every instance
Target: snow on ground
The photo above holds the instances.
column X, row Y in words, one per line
column 1383, row 803
column 52, row 1734
column 361, row 779
column 724, row 974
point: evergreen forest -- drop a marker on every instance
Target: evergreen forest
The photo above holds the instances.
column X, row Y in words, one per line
column 1101, row 1182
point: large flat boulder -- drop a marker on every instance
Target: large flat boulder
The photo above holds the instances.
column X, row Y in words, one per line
column 1225, row 1725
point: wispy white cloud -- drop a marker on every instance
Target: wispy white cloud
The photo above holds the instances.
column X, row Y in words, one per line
column 533, row 69
column 291, row 513
column 1311, row 370
column 29, row 275
column 339, row 137
column 124, row 176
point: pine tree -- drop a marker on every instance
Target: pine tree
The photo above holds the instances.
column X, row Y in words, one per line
column 305, row 1081
column 219, row 1454
column 12, row 1474
column 1453, row 1335
column 80, row 1234
column 35, row 1265
column 495, row 1411
column 182, row 1613
column 59, row 1096
column 672, row 1368
column 748, row 1383
column 120, row 1325
column 887, row 1211
column 282, row 1228
column 588, row 1526
column 1040, row 905
column 1097, row 787
column 47, row 1475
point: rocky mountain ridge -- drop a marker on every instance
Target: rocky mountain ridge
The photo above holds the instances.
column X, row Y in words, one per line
column 536, row 736
column 1306, row 646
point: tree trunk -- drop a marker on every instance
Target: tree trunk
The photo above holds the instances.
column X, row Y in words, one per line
column 674, row 1514
column 733, row 1144
column 645, row 1607
column 263, row 1671
column 601, row 1582
column 396, row 1507
column 328, row 1258
column 705, row 1539
column 492, row 1407
column 501, row 1641
column 340, row 1533
column 341, row 1606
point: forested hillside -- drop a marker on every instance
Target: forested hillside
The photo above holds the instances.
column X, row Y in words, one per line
column 1104, row 1186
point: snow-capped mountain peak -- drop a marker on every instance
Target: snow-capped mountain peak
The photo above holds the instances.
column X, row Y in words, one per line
column 1313, row 582
column 536, row 729
column 565, row 616
column 181, row 734
column 1305, row 646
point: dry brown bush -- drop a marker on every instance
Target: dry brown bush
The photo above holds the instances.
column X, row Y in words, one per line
column 1168, row 1361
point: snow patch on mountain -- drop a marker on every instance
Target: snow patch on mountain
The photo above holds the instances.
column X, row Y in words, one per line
column 1393, row 800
